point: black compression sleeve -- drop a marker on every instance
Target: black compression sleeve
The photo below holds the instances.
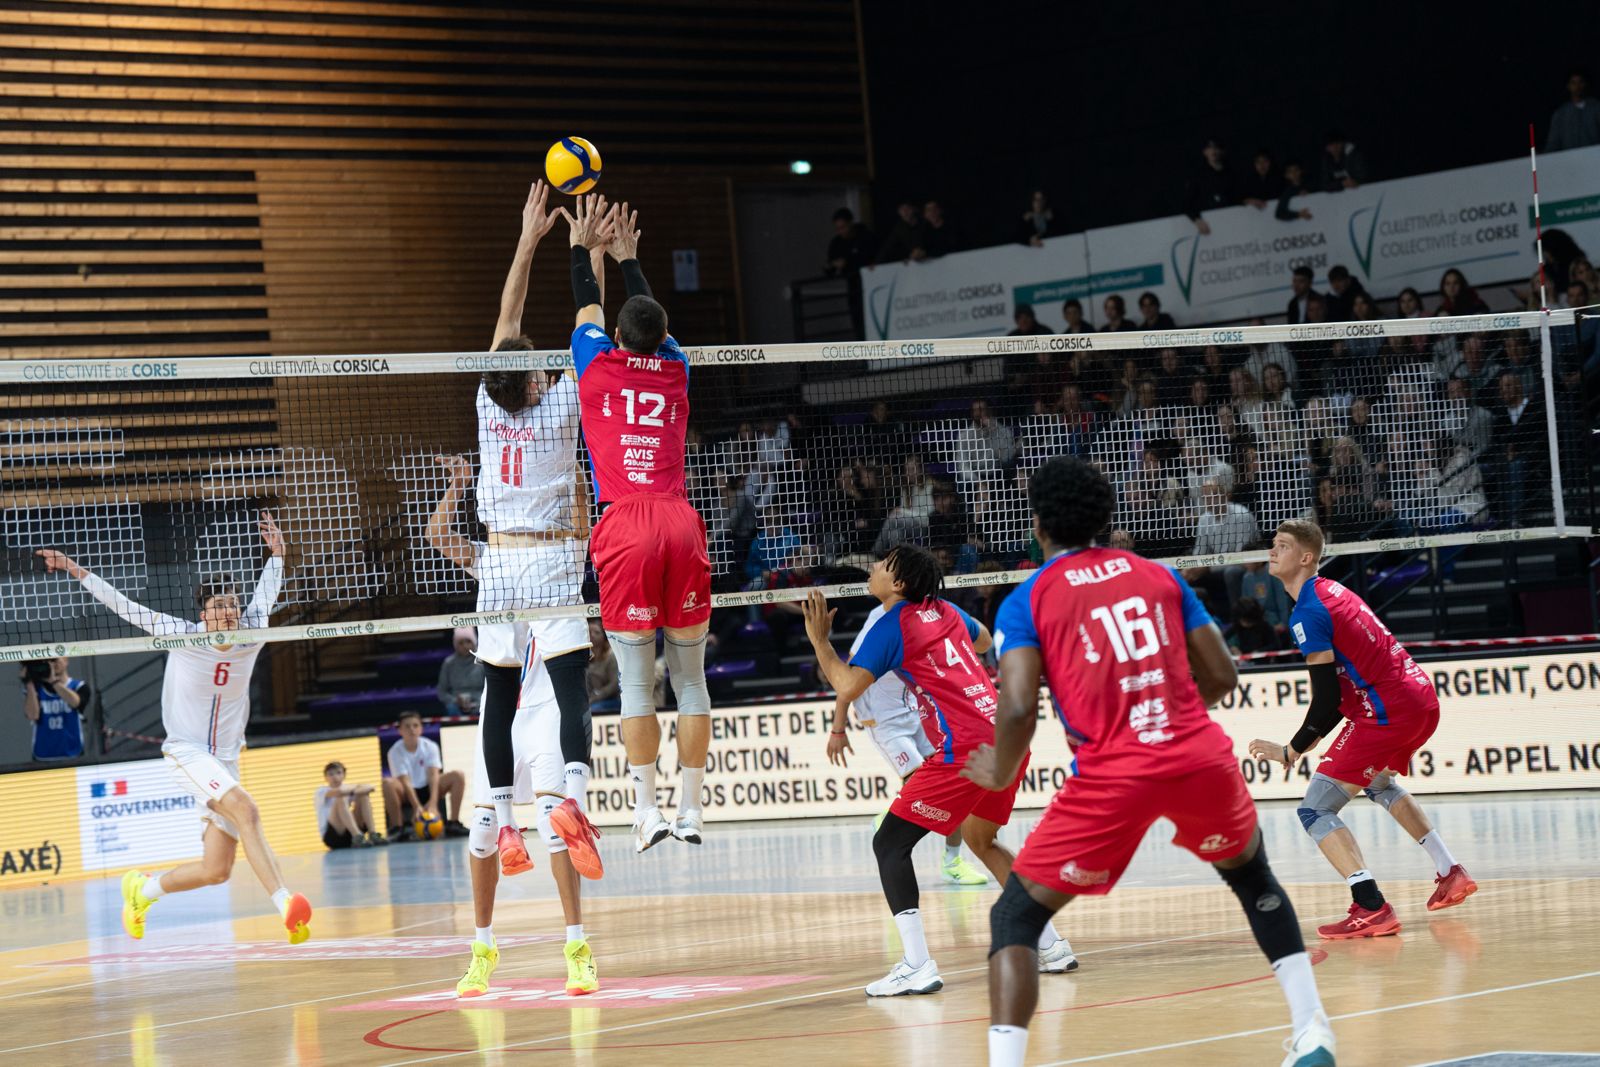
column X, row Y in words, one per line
column 585, row 286
column 569, row 678
column 633, row 282
column 1323, row 714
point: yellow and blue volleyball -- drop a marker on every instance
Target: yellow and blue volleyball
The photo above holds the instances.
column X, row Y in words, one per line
column 572, row 165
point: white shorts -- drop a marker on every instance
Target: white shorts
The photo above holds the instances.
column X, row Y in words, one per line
column 902, row 741
column 531, row 576
column 204, row 777
column 535, row 744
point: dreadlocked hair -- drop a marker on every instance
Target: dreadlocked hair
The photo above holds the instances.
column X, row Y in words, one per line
column 1072, row 500
column 917, row 570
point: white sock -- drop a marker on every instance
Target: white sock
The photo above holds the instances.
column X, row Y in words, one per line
column 575, row 933
column 502, row 806
column 280, row 900
column 577, row 786
column 1363, row 875
column 693, row 779
column 1007, row 1045
column 952, row 853
column 643, row 777
column 1048, row 936
column 1299, row 988
column 1442, row 860
column 486, row 935
column 913, row 942
column 152, row 888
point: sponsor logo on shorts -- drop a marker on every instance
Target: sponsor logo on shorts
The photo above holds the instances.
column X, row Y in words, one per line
column 1370, row 772
column 636, row 613
column 928, row 811
column 1216, row 843
column 1072, row 874
column 692, row 601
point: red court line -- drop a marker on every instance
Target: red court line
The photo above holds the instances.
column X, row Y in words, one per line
column 375, row 1036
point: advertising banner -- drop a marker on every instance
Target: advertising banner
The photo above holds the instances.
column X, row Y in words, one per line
column 1508, row 723
column 1390, row 235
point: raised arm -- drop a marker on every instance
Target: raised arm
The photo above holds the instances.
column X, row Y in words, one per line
column 624, row 248
column 847, row 681
column 270, row 584
column 536, row 222
column 442, row 534
column 135, row 614
column 588, row 229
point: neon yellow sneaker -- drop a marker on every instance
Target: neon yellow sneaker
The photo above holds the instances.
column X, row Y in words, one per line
column 475, row 983
column 958, row 871
column 134, row 904
column 582, row 978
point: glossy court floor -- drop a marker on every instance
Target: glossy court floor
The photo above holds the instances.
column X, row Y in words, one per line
column 754, row 948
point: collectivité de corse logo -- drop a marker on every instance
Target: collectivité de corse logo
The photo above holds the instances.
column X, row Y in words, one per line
column 1363, row 248
column 1182, row 275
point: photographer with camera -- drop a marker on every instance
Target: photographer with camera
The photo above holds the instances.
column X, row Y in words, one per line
column 55, row 703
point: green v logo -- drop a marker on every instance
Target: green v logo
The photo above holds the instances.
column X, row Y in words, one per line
column 1184, row 275
column 880, row 309
column 1363, row 246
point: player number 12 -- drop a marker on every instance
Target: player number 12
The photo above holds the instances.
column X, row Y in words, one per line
column 653, row 417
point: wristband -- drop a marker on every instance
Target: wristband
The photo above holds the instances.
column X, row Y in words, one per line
column 838, row 733
column 633, row 282
column 585, row 286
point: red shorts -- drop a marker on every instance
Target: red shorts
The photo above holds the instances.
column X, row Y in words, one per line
column 649, row 553
column 1364, row 750
column 1093, row 826
column 937, row 798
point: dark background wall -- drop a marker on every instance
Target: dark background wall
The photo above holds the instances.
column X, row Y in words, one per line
column 1106, row 105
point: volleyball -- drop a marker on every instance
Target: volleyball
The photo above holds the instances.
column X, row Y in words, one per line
column 572, row 165
column 428, row 825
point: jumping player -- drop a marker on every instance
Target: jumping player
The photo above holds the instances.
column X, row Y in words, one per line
column 532, row 501
column 649, row 546
column 1360, row 673
column 538, row 779
column 890, row 715
column 1117, row 637
column 933, row 646
column 205, row 704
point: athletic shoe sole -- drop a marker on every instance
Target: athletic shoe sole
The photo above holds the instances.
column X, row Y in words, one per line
column 934, row 988
column 572, row 828
column 661, row 835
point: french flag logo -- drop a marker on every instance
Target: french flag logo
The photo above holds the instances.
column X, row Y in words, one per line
column 118, row 788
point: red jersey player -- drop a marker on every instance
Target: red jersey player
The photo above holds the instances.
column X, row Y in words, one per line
column 1117, row 637
column 934, row 647
column 1360, row 673
column 649, row 547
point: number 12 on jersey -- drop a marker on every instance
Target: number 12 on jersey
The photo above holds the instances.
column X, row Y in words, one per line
column 655, row 402
column 1128, row 628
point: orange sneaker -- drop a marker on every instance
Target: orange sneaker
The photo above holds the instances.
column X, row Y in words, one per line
column 514, row 857
column 1362, row 923
column 1451, row 889
column 297, row 919
column 574, row 828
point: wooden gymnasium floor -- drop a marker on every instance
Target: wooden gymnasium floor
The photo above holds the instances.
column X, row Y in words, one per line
column 754, row 948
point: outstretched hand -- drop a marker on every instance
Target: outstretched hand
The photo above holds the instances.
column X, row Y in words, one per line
column 457, row 467
column 625, row 233
column 59, row 561
column 1261, row 748
column 271, row 534
column 536, row 219
column 590, row 226
column 819, row 619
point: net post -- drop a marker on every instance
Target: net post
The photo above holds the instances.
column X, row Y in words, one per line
column 1547, row 359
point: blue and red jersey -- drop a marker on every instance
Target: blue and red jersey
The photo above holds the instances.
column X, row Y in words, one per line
column 929, row 645
column 1378, row 679
column 1111, row 629
column 635, row 415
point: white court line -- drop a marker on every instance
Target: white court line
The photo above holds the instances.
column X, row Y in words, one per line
column 1348, row 1015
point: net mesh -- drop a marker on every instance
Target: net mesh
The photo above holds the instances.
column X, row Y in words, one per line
column 806, row 462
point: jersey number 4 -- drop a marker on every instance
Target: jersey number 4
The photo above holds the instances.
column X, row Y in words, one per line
column 1131, row 633
column 655, row 402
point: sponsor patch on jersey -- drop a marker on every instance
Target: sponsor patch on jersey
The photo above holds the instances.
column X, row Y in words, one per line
column 1300, row 632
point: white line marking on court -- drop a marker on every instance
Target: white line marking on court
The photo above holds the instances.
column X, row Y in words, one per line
column 1348, row 1015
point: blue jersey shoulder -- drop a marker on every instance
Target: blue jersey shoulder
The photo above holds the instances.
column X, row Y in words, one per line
column 884, row 647
column 1309, row 622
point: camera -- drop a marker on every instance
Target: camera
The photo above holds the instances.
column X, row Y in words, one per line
column 39, row 670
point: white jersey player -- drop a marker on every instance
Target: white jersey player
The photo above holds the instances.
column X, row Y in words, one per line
column 538, row 777
column 534, row 505
column 892, row 719
column 205, row 704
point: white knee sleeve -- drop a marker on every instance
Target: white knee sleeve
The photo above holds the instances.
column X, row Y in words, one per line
column 547, row 804
column 1384, row 791
column 636, row 673
column 481, row 834
column 1319, row 811
column 686, row 665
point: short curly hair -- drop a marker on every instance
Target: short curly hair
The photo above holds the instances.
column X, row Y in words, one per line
column 1072, row 501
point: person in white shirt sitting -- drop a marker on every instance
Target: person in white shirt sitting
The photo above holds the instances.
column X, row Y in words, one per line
column 421, row 784
column 344, row 811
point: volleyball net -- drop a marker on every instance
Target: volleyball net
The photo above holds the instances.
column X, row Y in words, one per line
column 806, row 461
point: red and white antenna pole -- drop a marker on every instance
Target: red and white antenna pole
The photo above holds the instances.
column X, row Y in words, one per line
column 1538, row 227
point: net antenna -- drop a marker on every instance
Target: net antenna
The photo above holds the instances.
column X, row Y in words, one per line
column 1547, row 350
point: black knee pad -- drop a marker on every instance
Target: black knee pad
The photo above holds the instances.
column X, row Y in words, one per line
column 569, row 679
column 1266, row 906
column 1016, row 918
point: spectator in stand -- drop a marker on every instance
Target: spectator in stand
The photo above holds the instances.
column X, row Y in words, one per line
column 1364, row 309
column 1362, row 431
column 461, row 675
column 1471, row 424
column 1299, row 311
column 1576, row 123
column 1457, row 297
column 948, row 529
column 1408, row 305
column 743, row 519
column 1294, row 184
column 883, row 434
column 1477, row 366
column 1246, row 463
column 55, row 703
column 1036, row 384
column 1342, row 292
column 416, row 767
column 1116, row 312
column 1244, row 396
column 908, row 521
column 1172, row 380
column 1215, row 371
column 1027, row 325
column 1275, row 386
column 1257, row 584
column 1586, row 350
column 605, row 688
column 1200, row 394
column 1067, row 430
column 1343, row 165
column 1152, row 317
column 1072, row 312
column 1518, row 457
column 1357, row 507
column 939, row 236
column 344, row 812
column 1457, row 486
column 1580, row 270
column 1038, row 222
column 855, row 510
column 986, row 449
column 774, row 549
column 1224, row 527
column 1260, row 186
column 851, row 247
column 1210, row 186
column 1250, row 632
column 906, row 236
